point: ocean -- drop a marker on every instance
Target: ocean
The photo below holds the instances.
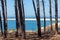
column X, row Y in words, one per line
column 29, row 24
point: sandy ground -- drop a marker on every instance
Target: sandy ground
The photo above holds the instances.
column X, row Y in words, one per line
column 33, row 36
column 30, row 35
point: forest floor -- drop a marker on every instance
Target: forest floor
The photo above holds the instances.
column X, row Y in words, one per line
column 33, row 36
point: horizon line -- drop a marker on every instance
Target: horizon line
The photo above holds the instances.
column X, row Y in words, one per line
column 47, row 19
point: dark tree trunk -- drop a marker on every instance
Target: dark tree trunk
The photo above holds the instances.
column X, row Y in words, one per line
column 34, row 9
column 21, row 17
column 6, row 9
column 50, row 14
column 38, row 18
column 1, row 24
column 44, row 15
column 5, row 19
column 56, row 15
column 17, row 22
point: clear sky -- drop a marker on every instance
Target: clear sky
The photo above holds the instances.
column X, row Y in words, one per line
column 29, row 11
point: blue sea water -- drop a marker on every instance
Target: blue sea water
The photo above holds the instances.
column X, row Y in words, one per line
column 29, row 24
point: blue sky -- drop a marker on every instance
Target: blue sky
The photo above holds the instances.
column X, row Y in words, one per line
column 29, row 11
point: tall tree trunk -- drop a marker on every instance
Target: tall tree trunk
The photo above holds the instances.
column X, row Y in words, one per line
column 44, row 15
column 21, row 17
column 38, row 23
column 50, row 14
column 34, row 9
column 38, row 18
column 17, row 22
column 56, row 15
column 1, row 24
column 6, row 9
column 5, row 19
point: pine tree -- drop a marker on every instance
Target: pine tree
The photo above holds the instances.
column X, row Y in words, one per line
column 44, row 15
column 38, row 18
column 22, row 20
column 23, row 12
column 4, row 17
column 56, row 15
column 50, row 14
column 16, row 14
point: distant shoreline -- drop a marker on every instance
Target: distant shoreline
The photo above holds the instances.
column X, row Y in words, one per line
column 47, row 19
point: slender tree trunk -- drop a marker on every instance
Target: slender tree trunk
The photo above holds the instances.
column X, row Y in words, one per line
column 56, row 15
column 1, row 24
column 38, row 18
column 34, row 9
column 44, row 15
column 21, row 17
column 6, row 9
column 17, row 22
column 4, row 17
column 50, row 14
